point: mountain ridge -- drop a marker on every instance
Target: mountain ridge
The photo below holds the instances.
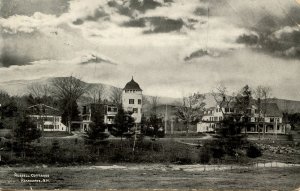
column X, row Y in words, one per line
column 20, row 88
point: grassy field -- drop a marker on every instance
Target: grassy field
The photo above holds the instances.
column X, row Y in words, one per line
column 72, row 151
column 56, row 134
column 147, row 178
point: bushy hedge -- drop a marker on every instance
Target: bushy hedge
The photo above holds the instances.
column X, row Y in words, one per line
column 253, row 152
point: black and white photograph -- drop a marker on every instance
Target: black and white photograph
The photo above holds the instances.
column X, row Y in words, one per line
column 150, row 95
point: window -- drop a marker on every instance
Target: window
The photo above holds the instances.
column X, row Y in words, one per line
column 135, row 110
column 272, row 120
column 231, row 110
column 131, row 101
column 139, row 101
column 226, row 109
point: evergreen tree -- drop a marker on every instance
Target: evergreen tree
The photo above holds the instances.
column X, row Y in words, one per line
column 123, row 122
column 25, row 133
column 95, row 137
column 70, row 113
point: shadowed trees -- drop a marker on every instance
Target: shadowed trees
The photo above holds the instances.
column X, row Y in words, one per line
column 67, row 90
column 116, row 97
column 97, row 93
column 96, row 137
column 24, row 134
column 262, row 94
column 191, row 109
column 123, row 122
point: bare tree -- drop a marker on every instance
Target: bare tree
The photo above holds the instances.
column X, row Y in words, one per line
column 262, row 94
column 68, row 90
column 116, row 96
column 154, row 103
column 145, row 100
column 222, row 98
column 39, row 90
column 97, row 93
column 4, row 97
column 191, row 109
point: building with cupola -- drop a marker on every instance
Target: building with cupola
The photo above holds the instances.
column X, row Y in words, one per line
column 132, row 99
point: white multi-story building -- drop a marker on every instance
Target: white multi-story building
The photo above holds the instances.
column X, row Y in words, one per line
column 46, row 118
column 269, row 121
column 132, row 100
column 107, row 113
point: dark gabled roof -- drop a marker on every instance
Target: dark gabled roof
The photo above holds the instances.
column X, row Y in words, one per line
column 42, row 109
column 272, row 110
column 132, row 85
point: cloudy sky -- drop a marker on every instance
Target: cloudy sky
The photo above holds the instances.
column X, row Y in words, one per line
column 171, row 47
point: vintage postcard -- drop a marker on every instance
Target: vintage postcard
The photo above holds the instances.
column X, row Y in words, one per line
column 150, row 95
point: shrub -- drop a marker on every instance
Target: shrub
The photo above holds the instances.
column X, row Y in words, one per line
column 253, row 152
column 290, row 137
column 217, row 153
column 205, row 155
column 8, row 136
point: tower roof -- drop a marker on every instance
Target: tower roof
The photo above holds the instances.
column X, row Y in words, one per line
column 132, row 85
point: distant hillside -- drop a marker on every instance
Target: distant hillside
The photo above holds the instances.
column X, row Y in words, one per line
column 20, row 87
column 289, row 106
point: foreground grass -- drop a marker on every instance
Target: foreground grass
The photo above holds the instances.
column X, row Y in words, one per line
column 94, row 178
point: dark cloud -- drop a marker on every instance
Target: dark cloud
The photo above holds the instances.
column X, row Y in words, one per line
column 8, row 59
column 135, row 23
column 135, row 5
column 201, row 11
column 286, row 45
column 292, row 16
column 157, row 24
column 204, row 52
column 144, row 5
column 78, row 22
column 98, row 13
column 249, row 39
column 275, row 35
column 96, row 59
column 29, row 7
column 122, row 9
column 196, row 54
column 164, row 25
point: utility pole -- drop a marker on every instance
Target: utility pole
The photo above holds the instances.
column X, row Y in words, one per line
column 276, row 120
column 134, row 141
column 172, row 126
column 166, row 118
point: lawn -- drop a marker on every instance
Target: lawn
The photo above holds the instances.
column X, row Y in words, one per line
column 56, row 134
column 160, row 177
